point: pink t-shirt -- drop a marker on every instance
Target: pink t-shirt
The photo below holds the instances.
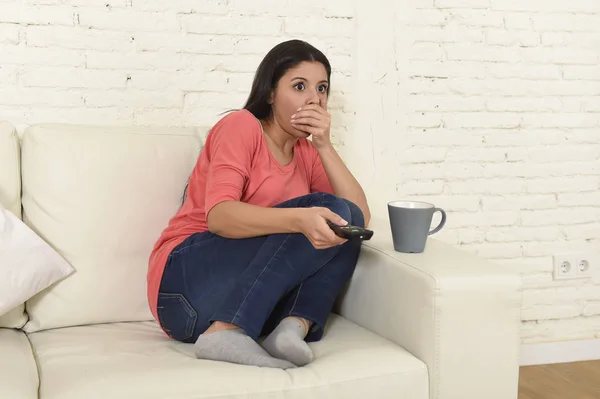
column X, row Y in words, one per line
column 235, row 164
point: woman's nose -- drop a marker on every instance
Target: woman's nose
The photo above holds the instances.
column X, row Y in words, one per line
column 314, row 99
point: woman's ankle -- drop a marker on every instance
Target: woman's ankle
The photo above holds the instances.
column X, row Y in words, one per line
column 220, row 326
column 307, row 324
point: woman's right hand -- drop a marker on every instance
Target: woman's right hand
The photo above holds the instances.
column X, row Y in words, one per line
column 312, row 222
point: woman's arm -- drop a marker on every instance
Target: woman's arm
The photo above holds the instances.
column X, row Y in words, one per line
column 342, row 181
column 236, row 219
column 315, row 120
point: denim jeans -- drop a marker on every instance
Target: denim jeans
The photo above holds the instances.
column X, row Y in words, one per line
column 256, row 282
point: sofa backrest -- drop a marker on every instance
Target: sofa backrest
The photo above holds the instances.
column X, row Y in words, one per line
column 101, row 196
column 10, row 198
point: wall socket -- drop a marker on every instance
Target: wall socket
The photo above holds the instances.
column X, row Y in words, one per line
column 574, row 265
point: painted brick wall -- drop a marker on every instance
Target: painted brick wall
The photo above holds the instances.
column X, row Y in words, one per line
column 154, row 62
column 502, row 126
column 489, row 108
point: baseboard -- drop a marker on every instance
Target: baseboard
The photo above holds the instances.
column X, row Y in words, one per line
column 560, row 352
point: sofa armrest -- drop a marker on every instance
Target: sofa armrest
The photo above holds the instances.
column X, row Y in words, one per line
column 456, row 312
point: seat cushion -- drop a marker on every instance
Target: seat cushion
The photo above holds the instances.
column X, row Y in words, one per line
column 100, row 196
column 18, row 371
column 10, row 198
column 136, row 360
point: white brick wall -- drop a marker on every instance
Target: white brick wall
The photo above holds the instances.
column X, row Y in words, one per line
column 149, row 62
column 502, row 128
column 489, row 108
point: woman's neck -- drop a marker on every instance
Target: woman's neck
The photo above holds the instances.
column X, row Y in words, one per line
column 281, row 140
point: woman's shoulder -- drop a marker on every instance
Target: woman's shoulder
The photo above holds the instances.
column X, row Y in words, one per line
column 238, row 119
column 239, row 124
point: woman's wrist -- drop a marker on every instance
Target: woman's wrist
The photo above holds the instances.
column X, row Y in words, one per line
column 294, row 219
column 325, row 149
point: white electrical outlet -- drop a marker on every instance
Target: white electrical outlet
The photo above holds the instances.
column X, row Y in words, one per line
column 584, row 265
column 564, row 267
column 572, row 266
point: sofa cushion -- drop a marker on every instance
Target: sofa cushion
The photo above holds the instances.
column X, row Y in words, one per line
column 10, row 198
column 101, row 197
column 18, row 370
column 136, row 360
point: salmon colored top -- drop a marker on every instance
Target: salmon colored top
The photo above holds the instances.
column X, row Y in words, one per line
column 235, row 165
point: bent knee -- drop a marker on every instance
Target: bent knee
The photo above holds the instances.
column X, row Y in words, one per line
column 336, row 205
column 347, row 210
column 357, row 217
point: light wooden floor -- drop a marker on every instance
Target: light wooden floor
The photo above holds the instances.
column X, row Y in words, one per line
column 560, row 381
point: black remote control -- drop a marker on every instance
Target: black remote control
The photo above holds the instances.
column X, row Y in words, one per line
column 349, row 232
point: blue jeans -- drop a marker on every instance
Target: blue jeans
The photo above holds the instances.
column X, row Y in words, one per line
column 256, row 282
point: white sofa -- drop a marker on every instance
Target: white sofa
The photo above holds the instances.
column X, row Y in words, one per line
column 441, row 325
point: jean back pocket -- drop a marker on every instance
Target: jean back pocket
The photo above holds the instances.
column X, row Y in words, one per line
column 176, row 316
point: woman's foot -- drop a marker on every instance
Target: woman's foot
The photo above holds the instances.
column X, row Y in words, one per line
column 287, row 341
column 235, row 346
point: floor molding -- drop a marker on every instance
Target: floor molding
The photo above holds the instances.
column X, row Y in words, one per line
column 560, row 352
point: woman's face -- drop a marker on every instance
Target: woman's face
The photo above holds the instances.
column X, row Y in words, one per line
column 302, row 85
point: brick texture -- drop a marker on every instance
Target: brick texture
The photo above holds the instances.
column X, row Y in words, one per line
column 155, row 62
column 488, row 108
column 502, row 130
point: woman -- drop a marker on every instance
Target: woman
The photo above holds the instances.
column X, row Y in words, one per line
column 250, row 252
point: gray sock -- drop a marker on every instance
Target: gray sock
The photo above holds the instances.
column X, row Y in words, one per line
column 287, row 342
column 235, row 346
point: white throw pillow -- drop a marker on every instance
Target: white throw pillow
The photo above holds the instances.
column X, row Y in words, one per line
column 28, row 264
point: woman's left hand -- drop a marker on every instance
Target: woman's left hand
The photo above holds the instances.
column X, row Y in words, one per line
column 315, row 120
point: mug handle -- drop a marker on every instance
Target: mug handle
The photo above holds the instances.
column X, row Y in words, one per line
column 442, row 223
